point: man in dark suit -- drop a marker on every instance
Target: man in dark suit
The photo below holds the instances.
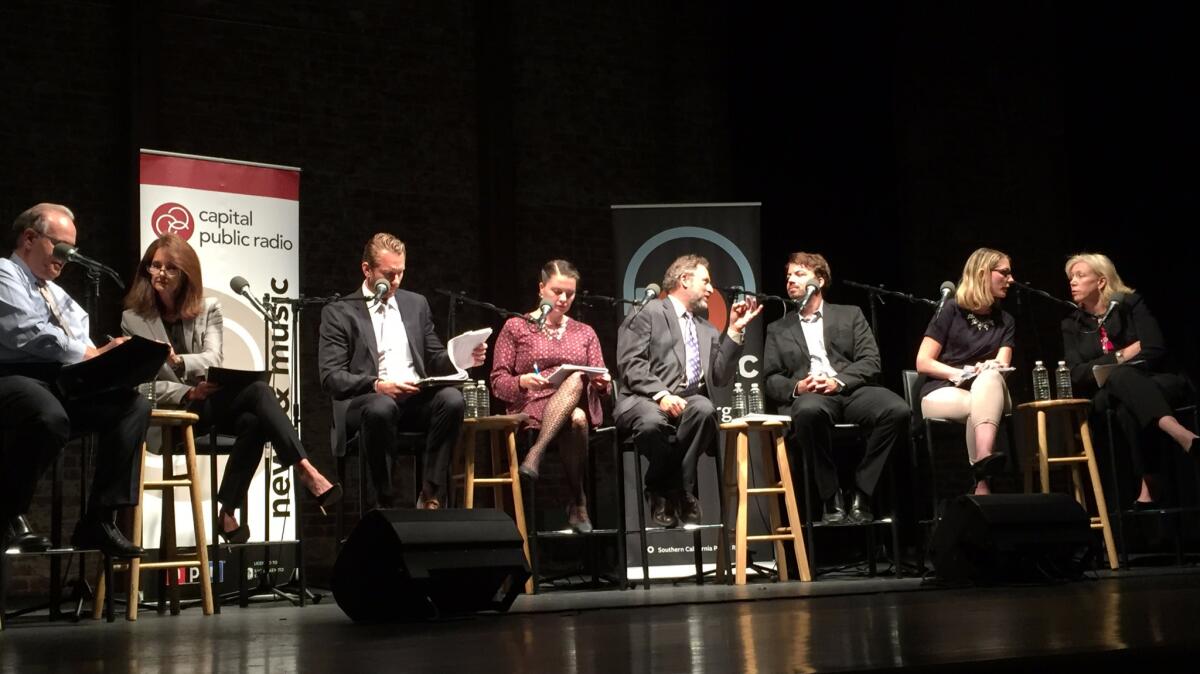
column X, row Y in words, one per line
column 820, row 364
column 372, row 353
column 668, row 358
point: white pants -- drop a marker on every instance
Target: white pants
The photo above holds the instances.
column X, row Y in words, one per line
column 985, row 403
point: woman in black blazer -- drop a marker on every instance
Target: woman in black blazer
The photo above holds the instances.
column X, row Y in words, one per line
column 1143, row 391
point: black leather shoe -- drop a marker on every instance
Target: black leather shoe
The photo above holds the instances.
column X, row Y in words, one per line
column 105, row 537
column 689, row 509
column 662, row 511
column 835, row 509
column 17, row 534
column 860, row 509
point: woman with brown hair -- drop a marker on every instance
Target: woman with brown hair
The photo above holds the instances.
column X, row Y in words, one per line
column 525, row 361
column 166, row 303
column 967, row 346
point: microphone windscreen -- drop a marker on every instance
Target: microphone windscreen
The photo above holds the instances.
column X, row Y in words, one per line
column 1117, row 297
column 653, row 289
column 381, row 287
column 238, row 284
column 64, row 251
column 948, row 286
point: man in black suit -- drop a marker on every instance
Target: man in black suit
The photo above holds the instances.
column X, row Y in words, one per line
column 372, row 353
column 820, row 364
column 668, row 358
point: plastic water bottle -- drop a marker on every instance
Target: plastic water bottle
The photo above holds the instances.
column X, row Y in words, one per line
column 483, row 399
column 471, row 399
column 756, row 400
column 1041, row 381
column 738, row 402
column 1062, row 380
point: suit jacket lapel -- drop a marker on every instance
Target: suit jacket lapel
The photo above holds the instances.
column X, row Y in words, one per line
column 189, row 331
column 413, row 327
column 676, row 334
column 706, row 343
column 797, row 334
column 362, row 315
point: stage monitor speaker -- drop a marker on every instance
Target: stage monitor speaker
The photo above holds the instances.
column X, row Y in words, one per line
column 1007, row 538
column 410, row 565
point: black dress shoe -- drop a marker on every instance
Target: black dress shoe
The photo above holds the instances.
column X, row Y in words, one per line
column 662, row 511
column 860, row 509
column 835, row 509
column 689, row 509
column 105, row 537
column 18, row 535
column 236, row 536
column 1145, row 506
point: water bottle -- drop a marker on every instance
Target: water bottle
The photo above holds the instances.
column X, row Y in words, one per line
column 756, row 401
column 1062, row 380
column 739, row 402
column 483, row 399
column 1041, row 381
column 470, row 399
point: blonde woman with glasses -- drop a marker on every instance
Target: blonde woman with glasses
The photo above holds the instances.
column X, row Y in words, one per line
column 967, row 349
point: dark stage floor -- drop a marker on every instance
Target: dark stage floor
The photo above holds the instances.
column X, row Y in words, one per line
column 1142, row 618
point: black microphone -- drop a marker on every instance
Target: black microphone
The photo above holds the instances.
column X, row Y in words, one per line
column 542, row 312
column 650, row 293
column 1113, row 302
column 809, row 290
column 241, row 286
column 68, row 253
column 947, row 290
column 381, row 289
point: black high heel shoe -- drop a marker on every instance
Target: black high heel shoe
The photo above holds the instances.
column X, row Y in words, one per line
column 239, row 535
column 989, row 466
column 329, row 497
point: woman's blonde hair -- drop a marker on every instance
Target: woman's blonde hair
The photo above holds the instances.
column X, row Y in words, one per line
column 1105, row 269
column 974, row 287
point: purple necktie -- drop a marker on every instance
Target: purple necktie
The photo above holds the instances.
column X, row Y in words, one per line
column 692, row 346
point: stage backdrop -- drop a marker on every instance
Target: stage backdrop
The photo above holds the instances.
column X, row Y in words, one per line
column 243, row 220
column 647, row 239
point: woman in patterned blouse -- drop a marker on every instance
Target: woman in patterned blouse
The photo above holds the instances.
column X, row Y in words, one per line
column 526, row 358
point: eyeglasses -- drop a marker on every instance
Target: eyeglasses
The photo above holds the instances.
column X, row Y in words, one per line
column 1005, row 272
column 155, row 269
column 53, row 241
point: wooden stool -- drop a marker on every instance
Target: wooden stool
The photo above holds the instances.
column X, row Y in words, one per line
column 497, row 427
column 737, row 477
column 168, row 420
column 1074, row 411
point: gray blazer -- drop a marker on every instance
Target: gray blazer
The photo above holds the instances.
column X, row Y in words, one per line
column 651, row 356
column 204, row 339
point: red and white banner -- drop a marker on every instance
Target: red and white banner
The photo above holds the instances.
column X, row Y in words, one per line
column 243, row 219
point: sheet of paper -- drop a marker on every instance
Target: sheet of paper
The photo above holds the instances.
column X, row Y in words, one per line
column 459, row 349
column 567, row 369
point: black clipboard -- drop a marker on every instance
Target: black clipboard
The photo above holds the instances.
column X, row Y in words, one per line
column 231, row 379
column 121, row 367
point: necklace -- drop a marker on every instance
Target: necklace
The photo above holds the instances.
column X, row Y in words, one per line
column 981, row 324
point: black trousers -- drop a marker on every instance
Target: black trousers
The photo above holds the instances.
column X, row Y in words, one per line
column 253, row 415
column 1139, row 399
column 378, row 419
column 36, row 423
column 671, row 467
column 813, row 416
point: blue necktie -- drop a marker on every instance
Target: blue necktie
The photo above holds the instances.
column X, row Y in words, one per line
column 692, row 347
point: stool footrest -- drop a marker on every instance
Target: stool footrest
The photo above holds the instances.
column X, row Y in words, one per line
column 177, row 564
column 1067, row 459
column 493, row 480
column 167, row 484
column 763, row 491
column 771, row 537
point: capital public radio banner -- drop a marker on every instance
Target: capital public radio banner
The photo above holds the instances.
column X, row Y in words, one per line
column 647, row 238
column 243, row 219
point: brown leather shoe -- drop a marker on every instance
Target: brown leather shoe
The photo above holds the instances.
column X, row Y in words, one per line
column 689, row 509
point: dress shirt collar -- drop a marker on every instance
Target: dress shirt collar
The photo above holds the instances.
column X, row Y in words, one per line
column 678, row 307
column 814, row 316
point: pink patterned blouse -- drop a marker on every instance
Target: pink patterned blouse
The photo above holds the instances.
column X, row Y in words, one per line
column 519, row 346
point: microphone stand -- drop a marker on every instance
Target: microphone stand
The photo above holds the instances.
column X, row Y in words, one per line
column 875, row 295
column 1042, row 293
column 460, row 297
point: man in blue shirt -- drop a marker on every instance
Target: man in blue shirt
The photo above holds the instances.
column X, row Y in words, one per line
column 42, row 329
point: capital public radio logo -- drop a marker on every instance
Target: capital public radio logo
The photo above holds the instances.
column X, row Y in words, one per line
column 172, row 218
